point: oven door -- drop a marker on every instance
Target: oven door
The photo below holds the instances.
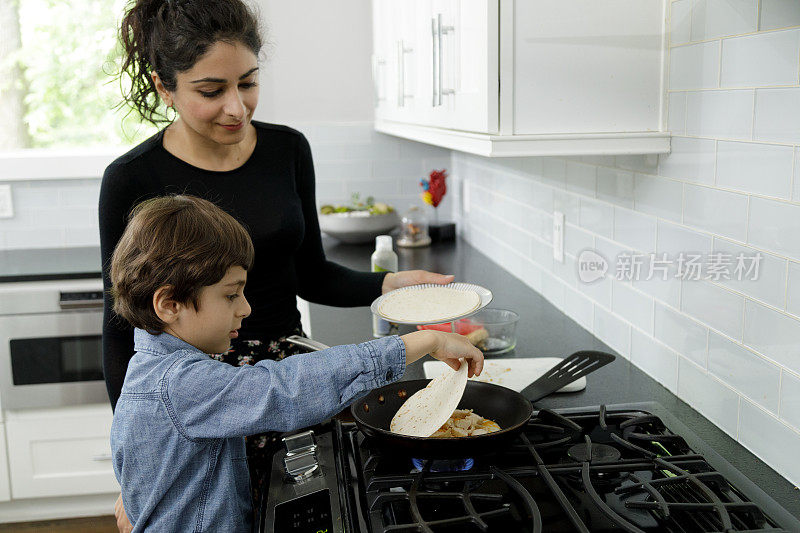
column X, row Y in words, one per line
column 51, row 360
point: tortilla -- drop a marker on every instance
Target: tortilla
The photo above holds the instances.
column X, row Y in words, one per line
column 428, row 409
column 429, row 304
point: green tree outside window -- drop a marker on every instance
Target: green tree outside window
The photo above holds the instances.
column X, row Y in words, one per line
column 58, row 88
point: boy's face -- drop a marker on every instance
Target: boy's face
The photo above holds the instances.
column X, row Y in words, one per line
column 222, row 307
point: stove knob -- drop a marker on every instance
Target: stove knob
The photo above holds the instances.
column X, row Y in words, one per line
column 300, row 443
column 301, row 466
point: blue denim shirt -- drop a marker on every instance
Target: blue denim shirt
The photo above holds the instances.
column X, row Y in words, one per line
column 177, row 437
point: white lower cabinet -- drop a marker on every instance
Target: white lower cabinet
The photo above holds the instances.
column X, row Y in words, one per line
column 60, row 452
column 5, row 488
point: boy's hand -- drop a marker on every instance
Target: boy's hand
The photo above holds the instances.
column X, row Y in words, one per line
column 123, row 524
column 447, row 347
column 452, row 347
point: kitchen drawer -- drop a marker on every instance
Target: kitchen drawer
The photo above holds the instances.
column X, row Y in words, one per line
column 60, row 452
column 5, row 489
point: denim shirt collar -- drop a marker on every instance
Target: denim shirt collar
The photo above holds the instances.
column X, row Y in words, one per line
column 161, row 344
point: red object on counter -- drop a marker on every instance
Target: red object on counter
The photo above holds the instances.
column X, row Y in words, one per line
column 463, row 327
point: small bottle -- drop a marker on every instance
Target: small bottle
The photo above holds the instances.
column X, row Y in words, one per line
column 383, row 260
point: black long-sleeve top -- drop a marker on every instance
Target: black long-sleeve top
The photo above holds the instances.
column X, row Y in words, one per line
column 272, row 195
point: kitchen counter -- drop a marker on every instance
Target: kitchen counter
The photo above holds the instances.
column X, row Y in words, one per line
column 542, row 331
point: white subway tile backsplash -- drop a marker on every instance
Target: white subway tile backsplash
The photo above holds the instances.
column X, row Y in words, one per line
column 673, row 240
column 581, row 178
column 763, row 279
column 713, row 306
column 720, row 114
column 635, row 230
column 756, row 168
column 796, row 178
column 775, row 226
column 400, row 168
column 599, row 290
column 779, row 14
column 597, row 217
column 761, row 60
column 709, row 396
column 680, row 21
column 717, row 18
column 655, row 359
column 681, row 333
column 615, row 186
column 676, row 118
column 566, row 203
column 747, row 372
column 659, row 279
column 554, row 172
column 772, row 334
column 553, row 289
column 612, row 330
column 715, row 211
column 658, row 196
column 644, row 164
column 343, row 170
column 576, row 240
column 578, row 307
column 633, row 306
column 793, row 289
column 775, row 442
column 694, row 66
column 689, row 159
column 777, row 115
column 790, row 399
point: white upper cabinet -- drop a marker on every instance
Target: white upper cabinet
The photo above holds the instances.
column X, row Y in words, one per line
column 522, row 77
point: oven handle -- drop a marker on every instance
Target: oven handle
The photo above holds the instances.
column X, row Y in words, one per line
column 81, row 300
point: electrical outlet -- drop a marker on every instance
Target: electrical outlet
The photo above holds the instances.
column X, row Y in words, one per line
column 558, row 236
column 465, row 197
column 6, row 204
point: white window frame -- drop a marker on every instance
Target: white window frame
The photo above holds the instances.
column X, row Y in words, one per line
column 36, row 164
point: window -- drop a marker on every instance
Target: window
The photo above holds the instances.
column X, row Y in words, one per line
column 57, row 60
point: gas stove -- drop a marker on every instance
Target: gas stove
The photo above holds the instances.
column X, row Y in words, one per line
column 609, row 468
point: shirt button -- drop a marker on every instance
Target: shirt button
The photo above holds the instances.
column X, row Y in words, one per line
column 389, row 374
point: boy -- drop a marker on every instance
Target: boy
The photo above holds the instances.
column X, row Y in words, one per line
column 177, row 438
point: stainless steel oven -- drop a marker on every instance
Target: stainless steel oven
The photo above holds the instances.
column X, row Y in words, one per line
column 50, row 349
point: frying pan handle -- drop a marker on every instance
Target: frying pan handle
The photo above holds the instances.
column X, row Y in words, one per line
column 305, row 342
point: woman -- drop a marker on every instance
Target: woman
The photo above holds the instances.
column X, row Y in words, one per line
column 200, row 57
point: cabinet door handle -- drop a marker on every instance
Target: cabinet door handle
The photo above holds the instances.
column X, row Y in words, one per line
column 401, row 73
column 102, row 457
column 377, row 63
column 441, row 30
column 434, row 62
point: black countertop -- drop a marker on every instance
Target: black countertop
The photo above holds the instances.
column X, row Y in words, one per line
column 542, row 331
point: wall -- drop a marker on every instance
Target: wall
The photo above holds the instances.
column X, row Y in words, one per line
column 731, row 184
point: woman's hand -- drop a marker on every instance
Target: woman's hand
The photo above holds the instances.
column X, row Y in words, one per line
column 123, row 524
column 404, row 278
column 447, row 347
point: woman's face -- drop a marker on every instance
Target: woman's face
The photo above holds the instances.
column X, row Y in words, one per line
column 216, row 98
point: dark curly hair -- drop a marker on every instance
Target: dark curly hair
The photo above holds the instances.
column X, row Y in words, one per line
column 169, row 36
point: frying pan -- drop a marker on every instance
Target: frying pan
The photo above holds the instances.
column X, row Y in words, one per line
column 510, row 409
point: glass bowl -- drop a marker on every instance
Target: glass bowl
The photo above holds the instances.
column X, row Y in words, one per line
column 494, row 331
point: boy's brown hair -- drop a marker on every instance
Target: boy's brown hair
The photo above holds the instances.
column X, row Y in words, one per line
column 181, row 241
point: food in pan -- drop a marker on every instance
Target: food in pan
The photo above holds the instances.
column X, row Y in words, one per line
column 426, row 410
column 465, row 423
column 429, row 304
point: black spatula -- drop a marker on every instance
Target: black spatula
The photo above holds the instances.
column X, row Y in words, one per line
column 565, row 372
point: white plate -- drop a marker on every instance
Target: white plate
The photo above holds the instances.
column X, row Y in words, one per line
column 484, row 294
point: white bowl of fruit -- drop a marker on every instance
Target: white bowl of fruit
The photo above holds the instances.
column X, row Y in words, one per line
column 359, row 222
